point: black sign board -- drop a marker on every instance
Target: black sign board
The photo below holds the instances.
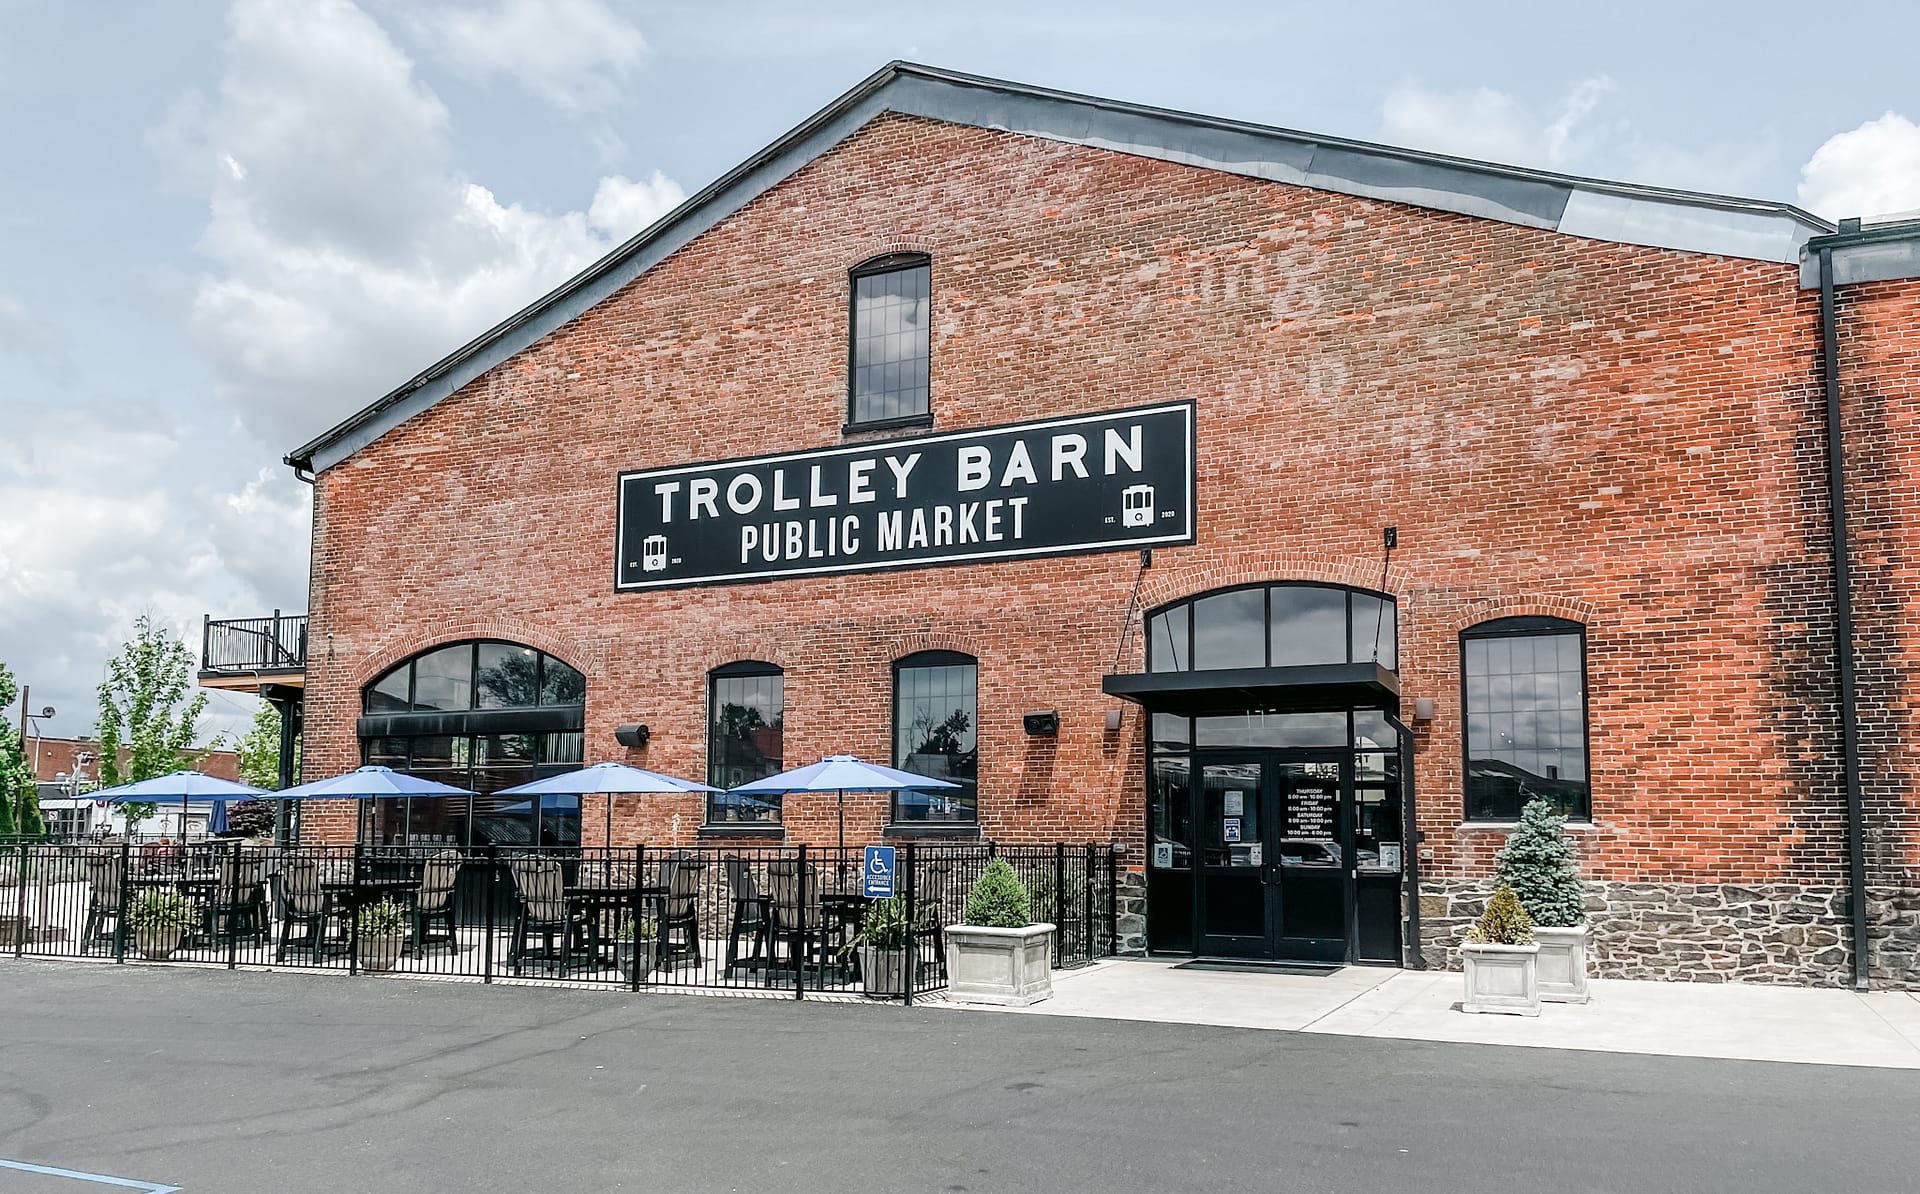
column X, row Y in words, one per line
column 1103, row 482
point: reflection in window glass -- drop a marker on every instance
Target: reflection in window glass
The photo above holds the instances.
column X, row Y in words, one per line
column 1167, row 641
column 1169, row 815
column 1171, row 731
column 1308, row 625
column 935, row 707
column 1375, row 633
column 746, row 717
column 443, row 679
column 508, row 677
column 561, row 684
column 1230, row 630
column 890, row 343
column 1271, row 729
column 1526, row 731
column 390, row 695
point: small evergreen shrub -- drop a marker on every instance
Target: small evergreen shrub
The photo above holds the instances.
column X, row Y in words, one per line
column 1505, row 922
column 644, row 929
column 1539, row 864
column 160, row 909
column 999, row 900
column 885, row 924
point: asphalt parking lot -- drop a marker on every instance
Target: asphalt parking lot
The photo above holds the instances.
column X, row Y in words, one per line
column 209, row 1080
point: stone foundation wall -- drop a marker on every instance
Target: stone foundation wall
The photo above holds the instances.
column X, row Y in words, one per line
column 1130, row 924
column 1711, row 932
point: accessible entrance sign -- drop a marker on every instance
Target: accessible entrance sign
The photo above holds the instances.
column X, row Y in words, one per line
column 878, row 872
column 1103, row 482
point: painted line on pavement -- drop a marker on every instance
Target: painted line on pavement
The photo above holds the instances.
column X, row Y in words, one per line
column 97, row 1178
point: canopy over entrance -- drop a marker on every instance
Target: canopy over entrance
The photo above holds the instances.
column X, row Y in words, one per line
column 1311, row 688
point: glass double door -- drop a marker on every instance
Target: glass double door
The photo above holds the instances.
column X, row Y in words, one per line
column 1278, row 869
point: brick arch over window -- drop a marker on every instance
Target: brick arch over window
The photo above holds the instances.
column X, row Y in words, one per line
column 888, row 247
column 901, row 646
column 1172, row 584
column 1493, row 609
column 740, row 648
column 383, row 658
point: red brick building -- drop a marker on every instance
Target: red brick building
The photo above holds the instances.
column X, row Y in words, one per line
column 1334, row 500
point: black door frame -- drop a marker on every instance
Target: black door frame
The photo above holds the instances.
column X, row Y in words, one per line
column 1272, row 822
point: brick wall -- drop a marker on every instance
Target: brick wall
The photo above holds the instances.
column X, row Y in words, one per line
column 1626, row 436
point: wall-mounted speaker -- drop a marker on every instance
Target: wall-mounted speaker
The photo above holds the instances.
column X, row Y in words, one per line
column 632, row 735
column 1042, row 725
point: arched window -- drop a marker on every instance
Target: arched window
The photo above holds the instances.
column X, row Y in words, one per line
column 746, row 715
column 483, row 715
column 1524, row 686
column 888, row 343
column 1278, row 625
column 935, row 732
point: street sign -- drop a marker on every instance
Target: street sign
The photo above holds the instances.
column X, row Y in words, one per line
column 878, row 872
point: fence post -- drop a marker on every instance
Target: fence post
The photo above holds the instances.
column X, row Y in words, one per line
column 1059, row 901
column 639, row 916
column 353, row 910
column 126, row 886
column 799, row 943
column 1089, row 936
column 233, row 906
column 913, row 923
column 20, row 902
column 487, row 899
column 1113, row 903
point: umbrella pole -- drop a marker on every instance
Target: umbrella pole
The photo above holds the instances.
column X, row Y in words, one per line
column 841, row 800
column 608, row 843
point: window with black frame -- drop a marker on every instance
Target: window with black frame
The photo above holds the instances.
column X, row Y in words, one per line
column 1525, row 696
column 1277, row 625
column 746, row 705
column 935, row 720
column 888, row 342
column 460, row 714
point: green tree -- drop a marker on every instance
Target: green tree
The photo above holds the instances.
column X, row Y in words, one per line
column 145, row 709
column 1539, row 864
column 259, row 750
column 19, row 797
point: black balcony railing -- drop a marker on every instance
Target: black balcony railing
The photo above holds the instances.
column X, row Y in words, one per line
column 239, row 645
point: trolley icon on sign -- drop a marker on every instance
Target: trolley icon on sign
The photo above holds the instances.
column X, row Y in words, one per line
column 653, row 553
column 1136, row 506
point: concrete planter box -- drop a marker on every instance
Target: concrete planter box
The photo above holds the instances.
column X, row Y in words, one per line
column 14, row 930
column 380, row 954
column 1501, row 978
column 639, row 955
column 1563, row 963
column 156, row 943
column 1006, row 967
column 883, row 972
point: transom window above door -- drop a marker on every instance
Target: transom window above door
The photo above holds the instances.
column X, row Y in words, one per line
column 1278, row 625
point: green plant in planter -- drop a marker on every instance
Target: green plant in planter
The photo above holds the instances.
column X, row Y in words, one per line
column 999, row 900
column 885, row 924
column 383, row 919
column 1539, row 864
column 159, row 909
column 1505, row 922
column 629, row 930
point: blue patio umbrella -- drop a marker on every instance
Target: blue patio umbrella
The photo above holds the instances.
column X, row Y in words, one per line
column 604, row 779
column 840, row 774
column 217, row 819
column 367, row 783
column 187, row 787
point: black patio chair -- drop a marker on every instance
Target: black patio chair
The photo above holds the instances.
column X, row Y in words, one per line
column 433, row 902
column 239, row 904
column 104, row 883
column 542, row 910
column 750, row 920
column 309, row 906
column 794, row 908
column 680, row 918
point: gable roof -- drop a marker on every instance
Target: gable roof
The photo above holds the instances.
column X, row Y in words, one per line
column 1621, row 212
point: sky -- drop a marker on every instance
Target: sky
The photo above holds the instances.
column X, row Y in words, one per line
column 226, row 226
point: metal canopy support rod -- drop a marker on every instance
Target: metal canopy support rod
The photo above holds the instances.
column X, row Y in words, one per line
column 1843, row 628
column 1410, row 850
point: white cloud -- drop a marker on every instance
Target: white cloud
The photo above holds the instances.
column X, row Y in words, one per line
column 1873, row 170
column 572, row 53
column 42, row 343
column 1572, row 135
column 349, row 251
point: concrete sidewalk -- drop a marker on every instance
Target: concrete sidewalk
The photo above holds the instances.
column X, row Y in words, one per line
column 1748, row 1022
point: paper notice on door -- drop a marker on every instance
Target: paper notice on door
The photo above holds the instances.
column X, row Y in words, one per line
column 1163, row 855
column 1253, row 854
column 1236, row 804
column 1390, row 856
column 1231, row 830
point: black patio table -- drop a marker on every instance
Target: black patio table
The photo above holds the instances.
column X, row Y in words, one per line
column 197, row 888
column 595, row 900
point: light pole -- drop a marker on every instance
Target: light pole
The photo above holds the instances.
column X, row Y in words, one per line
column 33, row 719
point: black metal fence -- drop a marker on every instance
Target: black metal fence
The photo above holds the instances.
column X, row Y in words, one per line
column 275, row 643
column 782, row 921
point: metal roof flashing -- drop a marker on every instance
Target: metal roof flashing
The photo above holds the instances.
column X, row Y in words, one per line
column 1864, row 253
column 1590, row 208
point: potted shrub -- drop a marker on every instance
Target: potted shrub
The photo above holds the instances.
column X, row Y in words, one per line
column 998, row 955
column 636, row 945
column 1539, row 864
column 159, row 918
column 1501, row 960
column 882, row 942
column 380, row 934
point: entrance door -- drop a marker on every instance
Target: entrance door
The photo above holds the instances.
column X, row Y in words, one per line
column 1275, row 864
column 1312, row 858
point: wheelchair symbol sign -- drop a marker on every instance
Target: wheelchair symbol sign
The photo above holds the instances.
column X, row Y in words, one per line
column 878, row 883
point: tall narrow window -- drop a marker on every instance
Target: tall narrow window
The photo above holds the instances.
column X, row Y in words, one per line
column 1526, row 705
column 747, row 706
column 888, row 343
column 935, row 712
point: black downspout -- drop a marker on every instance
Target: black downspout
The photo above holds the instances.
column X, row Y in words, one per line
column 1410, row 847
column 1843, row 629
